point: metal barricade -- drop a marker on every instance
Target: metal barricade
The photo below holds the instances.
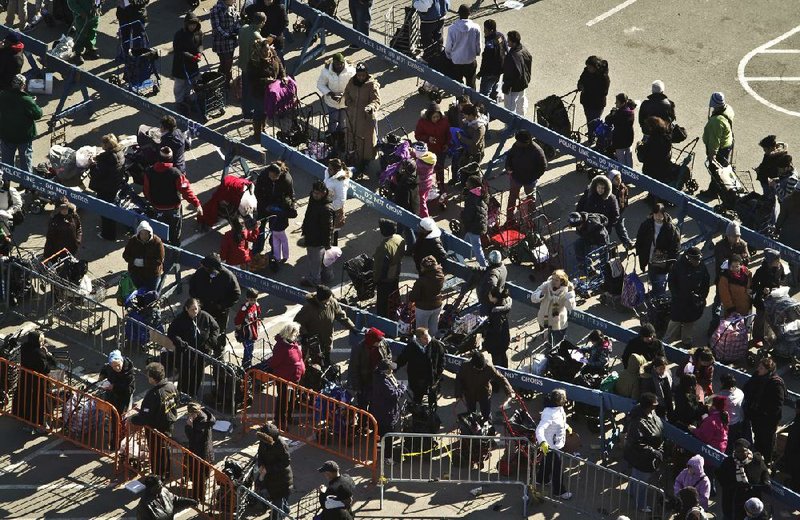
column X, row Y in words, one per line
column 145, row 451
column 55, row 407
column 597, row 491
column 457, row 459
column 312, row 417
column 247, row 497
column 62, row 310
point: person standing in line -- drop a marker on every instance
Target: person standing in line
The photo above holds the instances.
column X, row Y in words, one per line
column 86, row 18
column 225, row 26
column 497, row 334
column 247, row 321
column 474, row 385
column 120, row 381
column 620, row 190
column 718, row 138
column 187, row 49
column 556, row 299
column 218, row 291
column 144, row 254
column 248, row 35
column 657, row 104
column 287, row 363
column 525, row 165
column 275, row 478
column 318, row 231
column 463, row 46
column 431, row 22
column 18, row 115
column 689, row 283
column 593, row 85
column 426, row 293
column 159, row 411
column 516, row 75
column 657, row 243
column 107, row 176
column 643, row 447
column 388, row 258
column 764, row 395
column 31, row 393
column 737, row 425
column 433, row 129
column 333, row 79
column 621, row 118
column 316, row 318
column 362, row 97
column 198, row 430
column 264, row 68
column 192, row 331
column 12, row 58
column 361, row 14
column 425, row 359
column 743, row 475
column 495, row 49
column 64, row 231
column 551, row 435
column 474, row 217
column 336, row 498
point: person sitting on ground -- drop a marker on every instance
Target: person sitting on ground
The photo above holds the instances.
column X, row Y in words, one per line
column 646, row 344
column 158, row 502
column 694, row 475
column 597, row 352
column 658, row 381
column 474, row 384
column 234, row 249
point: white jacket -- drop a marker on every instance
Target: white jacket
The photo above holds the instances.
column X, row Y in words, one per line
column 330, row 82
column 10, row 203
column 338, row 186
column 552, row 427
column 560, row 302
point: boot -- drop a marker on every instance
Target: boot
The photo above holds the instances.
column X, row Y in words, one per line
column 258, row 128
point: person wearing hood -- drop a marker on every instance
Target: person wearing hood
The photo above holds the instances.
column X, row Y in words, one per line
column 742, row 475
column 475, row 216
column 363, row 100
column 274, row 462
column 713, row 428
column 474, row 384
column 318, row 228
column 158, row 502
column 18, row 115
column 620, row 190
column 593, row 85
column 433, row 129
column 657, row 104
column 386, row 397
column 31, row 392
column 556, row 299
column 144, row 254
column 164, row 185
column 193, row 330
column 10, row 205
column 187, row 49
column 107, row 177
column 551, row 436
column 629, row 382
column 525, row 165
column 598, row 198
column 772, row 274
column 473, row 135
column 426, row 293
column 592, row 231
column 225, row 26
column 264, row 68
column 621, row 119
column 425, row 166
column 516, row 75
column 463, row 46
column 431, row 22
column 645, row 344
column 199, row 440
column 774, row 151
column 234, row 196
column 643, row 446
column 496, row 333
column 689, row 283
column 694, row 475
column 764, row 395
column 495, row 49
column 493, row 277
column 316, row 318
column 218, row 291
column 728, row 245
column 718, row 137
column 428, row 243
column 657, row 244
column 332, row 81
column 364, row 359
column 64, row 230
column 337, row 180
column 288, row 364
column 424, row 356
column 388, row 258
column 120, row 381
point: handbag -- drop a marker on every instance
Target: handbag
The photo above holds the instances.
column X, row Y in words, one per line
column 678, row 133
column 632, row 291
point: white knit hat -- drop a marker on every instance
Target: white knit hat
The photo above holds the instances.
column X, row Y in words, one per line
column 658, row 87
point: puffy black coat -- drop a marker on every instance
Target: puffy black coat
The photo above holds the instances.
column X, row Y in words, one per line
column 124, row 384
column 475, row 215
column 605, row 204
column 766, row 277
column 657, row 105
column 278, row 462
column 594, row 89
column 429, row 247
column 656, row 157
column 199, row 435
column 688, row 286
column 64, row 231
column 216, row 294
column 495, row 49
column 136, row 10
column 493, row 276
column 11, row 61
column 768, row 169
column 594, row 229
column 763, row 397
column 517, row 70
column 688, row 409
column 185, row 45
column 526, row 162
column 425, row 365
column 160, row 504
column 405, row 190
column 176, row 141
column 622, row 121
column 318, row 222
column 108, row 174
column 201, row 334
column 496, row 334
column 661, row 387
column 159, row 408
column 269, row 193
column 669, row 241
column 644, row 440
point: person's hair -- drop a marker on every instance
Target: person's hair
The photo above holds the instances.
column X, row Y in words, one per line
column 336, row 164
column 704, row 354
column 656, row 125
column 728, row 381
column 490, row 25
column 626, row 101
column 155, row 371
column 735, row 257
column 687, row 383
column 464, row 11
column 237, row 228
column 190, row 302
column 420, row 331
column 647, row 331
column 598, row 63
column 648, row 400
column 659, row 208
column 523, row 136
column 273, row 167
column 559, row 396
column 562, row 275
column 169, row 123
column 258, row 18
column 463, row 98
column 319, row 186
column 473, row 181
column 659, row 361
column 110, row 142
column 784, row 161
column 290, row 331
column 252, row 293
column 768, row 363
column 596, row 336
column 469, row 110
column 514, row 37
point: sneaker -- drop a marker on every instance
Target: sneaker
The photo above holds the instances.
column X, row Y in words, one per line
column 565, row 496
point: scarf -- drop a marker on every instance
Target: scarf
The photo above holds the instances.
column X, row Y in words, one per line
column 741, row 475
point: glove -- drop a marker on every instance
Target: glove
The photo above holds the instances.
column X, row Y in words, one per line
column 544, row 447
column 196, row 57
column 569, row 430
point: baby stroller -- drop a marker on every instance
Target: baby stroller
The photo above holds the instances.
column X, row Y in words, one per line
column 142, row 313
column 554, row 113
column 359, row 269
column 758, row 212
column 729, row 187
column 782, row 313
column 473, row 452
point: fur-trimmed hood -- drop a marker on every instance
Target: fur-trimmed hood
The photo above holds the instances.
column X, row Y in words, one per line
column 600, row 179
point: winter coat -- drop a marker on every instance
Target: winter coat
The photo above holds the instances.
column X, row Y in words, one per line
column 644, row 441
column 764, row 397
column 718, row 132
column 768, row 169
column 594, row 229
column 177, row 143
column 597, row 354
column 473, row 135
column 657, row 105
column 697, row 479
column 688, row 409
column 628, row 384
column 437, row 11
column 734, row 493
column 475, row 215
column 526, row 163
column 64, row 231
column 363, row 361
column 278, row 462
column 385, row 402
column 463, row 42
column 199, row 435
column 235, row 251
column 552, row 427
column 517, row 70
column 123, row 384
column 425, row 364
column 277, row 19
column 405, row 190
column 496, row 331
column 186, row 45
column 271, row 193
column 262, row 71
column 554, row 305
column 439, row 132
column 287, row 360
column 723, row 250
column 620, row 191
column 648, row 351
column 662, row 388
column 217, row 294
column 713, row 430
column 338, row 185
column 766, row 278
column 159, row 408
column 388, row 259
column 18, row 115
column 688, row 286
column 621, row 120
column 605, row 204
column 108, row 174
column 788, row 223
column 495, row 49
column 331, row 83
column 316, row 319
column 165, row 184
column 225, row 25
column 11, row 61
column 200, row 333
column 425, row 246
column 734, row 292
column 668, row 241
column 152, row 252
column 318, row 223
column 160, row 504
column 494, row 276
column 10, row 203
column 785, row 185
column 656, row 157
column 248, row 35
column 247, row 319
column 594, row 89
column 427, row 290
column 136, row 10
column 361, row 129
column 474, row 384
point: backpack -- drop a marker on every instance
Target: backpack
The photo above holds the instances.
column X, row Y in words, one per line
column 632, row 291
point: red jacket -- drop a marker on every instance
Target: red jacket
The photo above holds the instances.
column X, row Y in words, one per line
column 165, row 184
column 247, row 318
column 237, row 253
column 439, row 131
column 287, row 360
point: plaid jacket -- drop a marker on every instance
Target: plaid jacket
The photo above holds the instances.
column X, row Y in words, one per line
column 225, row 25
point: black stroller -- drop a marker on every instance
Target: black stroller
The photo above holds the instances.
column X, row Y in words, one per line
column 552, row 112
column 359, row 269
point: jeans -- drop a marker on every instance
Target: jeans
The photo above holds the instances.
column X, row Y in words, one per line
column 225, row 66
column 489, row 86
column 181, row 91
column 658, row 284
column 280, row 245
column 316, row 270
column 465, row 73
column 591, row 114
column 428, row 319
column 622, row 232
column 637, row 490
column 676, row 330
column 361, row 15
column 724, row 157
column 624, row 156
column 337, row 120
column 247, row 357
column 485, row 405
column 9, row 150
column 174, row 219
column 516, row 102
column 477, row 248
column 513, row 195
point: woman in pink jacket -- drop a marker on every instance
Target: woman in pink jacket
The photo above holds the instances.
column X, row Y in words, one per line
column 713, row 429
column 286, row 363
column 426, row 161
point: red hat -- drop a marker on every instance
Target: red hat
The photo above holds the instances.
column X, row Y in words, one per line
column 719, row 402
column 374, row 335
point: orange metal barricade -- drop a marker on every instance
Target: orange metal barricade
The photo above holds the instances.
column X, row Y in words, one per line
column 145, row 451
column 311, row 417
column 55, row 407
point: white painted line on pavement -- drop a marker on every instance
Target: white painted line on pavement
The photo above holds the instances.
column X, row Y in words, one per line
column 773, row 78
column 610, row 12
column 200, row 234
column 781, row 51
column 48, row 446
column 52, row 485
column 744, row 81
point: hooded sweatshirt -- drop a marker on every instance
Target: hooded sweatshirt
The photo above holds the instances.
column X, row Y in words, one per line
column 713, row 430
column 150, row 252
column 464, row 42
column 337, row 185
column 697, row 478
column 628, row 383
column 186, row 45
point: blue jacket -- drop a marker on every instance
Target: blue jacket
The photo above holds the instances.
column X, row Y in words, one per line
column 437, row 11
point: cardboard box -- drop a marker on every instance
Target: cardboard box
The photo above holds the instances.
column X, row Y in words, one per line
column 41, row 86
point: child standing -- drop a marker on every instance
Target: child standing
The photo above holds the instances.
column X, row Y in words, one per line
column 278, row 221
column 337, row 179
column 246, row 322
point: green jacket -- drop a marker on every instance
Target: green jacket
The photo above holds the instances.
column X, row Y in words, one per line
column 388, row 257
column 18, row 115
column 247, row 36
column 718, row 132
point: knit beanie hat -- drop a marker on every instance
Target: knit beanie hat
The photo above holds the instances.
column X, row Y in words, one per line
column 717, row 100
column 658, row 87
column 733, row 229
column 373, row 336
column 754, row 506
column 165, row 154
column 419, row 148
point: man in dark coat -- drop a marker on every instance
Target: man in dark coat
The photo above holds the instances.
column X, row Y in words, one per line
column 187, row 49
column 218, row 291
column 191, row 331
column 316, row 318
column 598, row 198
column 29, row 400
column 107, row 177
column 277, row 21
column 742, row 475
column 173, row 138
column 405, row 193
column 336, row 499
column 494, row 277
column 657, row 243
column 643, row 448
column 275, row 478
column 646, row 344
column 318, row 227
column 200, row 441
column 159, row 411
column 688, row 284
column 11, row 59
column 516, row 74
column 525, row 165
column 274, row 193
column 657, row 104
column 425, row 359
column 495, row 48
column 764, row 394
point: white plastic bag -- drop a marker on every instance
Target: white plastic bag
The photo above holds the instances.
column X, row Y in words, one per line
column 63, row 48
column 85, row 287
column 84, row 156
